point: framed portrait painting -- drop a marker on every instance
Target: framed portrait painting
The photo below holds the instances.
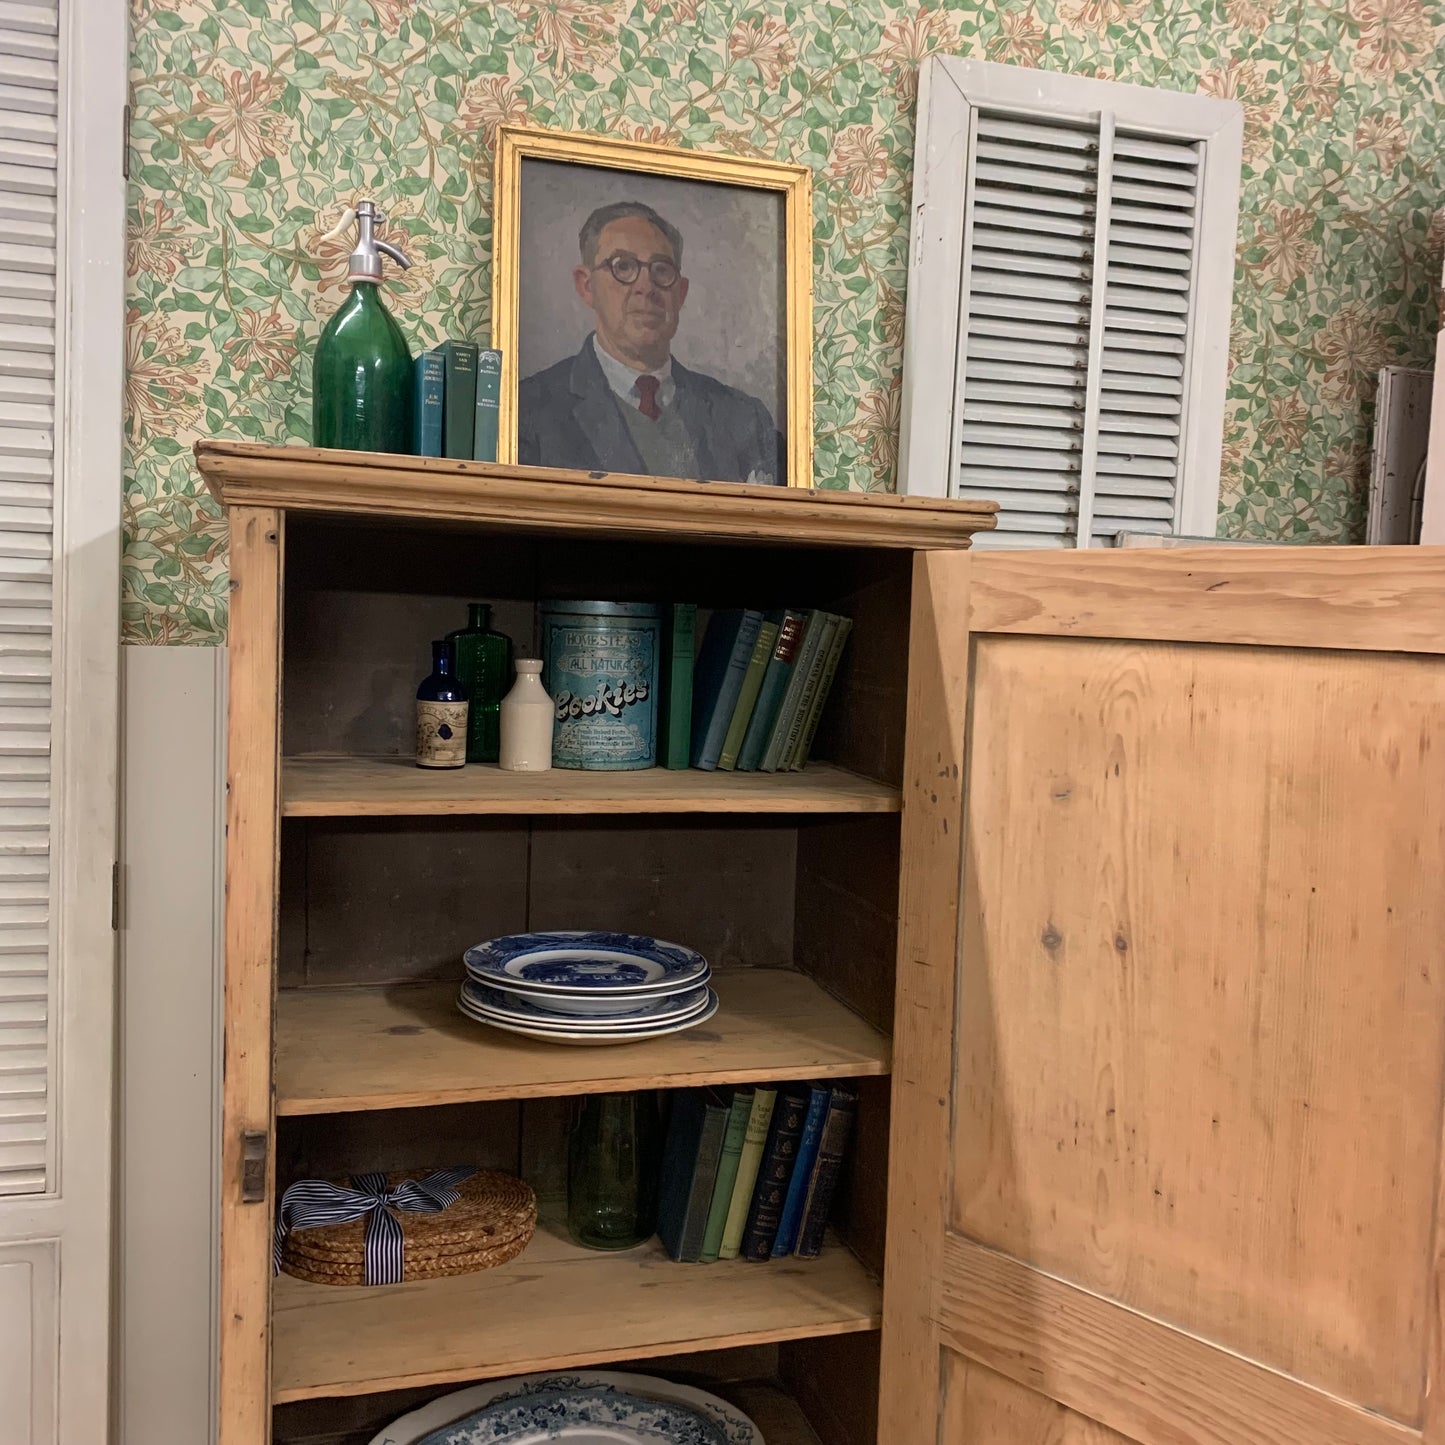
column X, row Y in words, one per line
column 653, row 307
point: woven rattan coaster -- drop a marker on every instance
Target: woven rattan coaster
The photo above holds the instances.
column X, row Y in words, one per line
column 492, row 1222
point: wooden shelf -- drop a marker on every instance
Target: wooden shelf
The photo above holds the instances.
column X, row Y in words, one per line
column 556, row 1306
column 346, row 1049
column 354, row 787
column 513, row 498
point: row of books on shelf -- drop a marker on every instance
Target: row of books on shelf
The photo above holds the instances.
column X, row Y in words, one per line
column 752, row 698
column 458, row 402
column 751, row 1172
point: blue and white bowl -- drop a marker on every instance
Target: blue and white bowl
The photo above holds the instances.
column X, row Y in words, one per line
column 591, row 971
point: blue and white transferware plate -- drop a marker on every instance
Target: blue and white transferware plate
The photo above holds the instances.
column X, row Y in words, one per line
column 581, row 1417
column 568, row 1033
column 427, row 1423
column 554, row 1011
column 586, row 963
column 582, row 1003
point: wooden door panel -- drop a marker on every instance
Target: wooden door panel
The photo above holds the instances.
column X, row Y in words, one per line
column 980, row 1405
column 1168, row 1076
column 1172, row 1014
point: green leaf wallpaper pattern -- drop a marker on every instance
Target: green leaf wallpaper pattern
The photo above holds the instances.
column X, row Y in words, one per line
column 256, row 120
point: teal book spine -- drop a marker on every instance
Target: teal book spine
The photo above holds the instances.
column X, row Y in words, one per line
column 792, row 1215
column 426, row 415
column 770, row 694
column 820, row 697
column 461, row 399
column 489, row 405
column 727, row 1174
column 776, row 755
column 674, row 723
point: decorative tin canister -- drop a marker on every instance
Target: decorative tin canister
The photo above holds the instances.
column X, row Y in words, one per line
column 601, row 672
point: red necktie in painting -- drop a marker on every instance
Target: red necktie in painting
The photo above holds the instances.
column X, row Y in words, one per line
column 647, row 390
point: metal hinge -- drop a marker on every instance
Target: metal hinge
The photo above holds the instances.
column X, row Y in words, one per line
column 254, row 1148
column 117, row 883
column 125, row 143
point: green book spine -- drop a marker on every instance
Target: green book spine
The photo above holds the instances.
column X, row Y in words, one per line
column 775, row 755
column 816, row 663
column 489, row 405
column 461, row 398
column 775, row 685
column 754, row 1137
column 820, row 697
column 748, row 697
column 674, row 725
column 727, row 1174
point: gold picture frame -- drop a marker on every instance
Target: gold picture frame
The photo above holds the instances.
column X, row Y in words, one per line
column 516, row 145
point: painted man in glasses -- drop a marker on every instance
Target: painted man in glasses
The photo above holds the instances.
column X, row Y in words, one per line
column 624, row 403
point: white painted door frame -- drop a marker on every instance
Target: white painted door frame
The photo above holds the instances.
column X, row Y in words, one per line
column 64, row 1234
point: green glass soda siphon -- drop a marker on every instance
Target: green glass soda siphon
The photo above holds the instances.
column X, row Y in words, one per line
column 483, row 664
column 362, row 382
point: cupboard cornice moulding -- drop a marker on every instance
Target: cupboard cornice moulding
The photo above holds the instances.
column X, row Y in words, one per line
column 365, row 484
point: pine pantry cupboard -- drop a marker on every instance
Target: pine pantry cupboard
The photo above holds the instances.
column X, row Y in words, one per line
column 1117, row 893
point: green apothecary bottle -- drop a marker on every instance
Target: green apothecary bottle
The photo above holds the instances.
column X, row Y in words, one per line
column 362, row 382
column 483, row 663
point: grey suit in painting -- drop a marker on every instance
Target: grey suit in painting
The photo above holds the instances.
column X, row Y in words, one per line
column 568, row 416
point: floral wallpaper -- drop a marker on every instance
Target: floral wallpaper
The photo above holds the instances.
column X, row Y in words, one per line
column 254, row 121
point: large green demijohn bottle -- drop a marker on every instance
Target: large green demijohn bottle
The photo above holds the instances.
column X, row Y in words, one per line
column 362, row 382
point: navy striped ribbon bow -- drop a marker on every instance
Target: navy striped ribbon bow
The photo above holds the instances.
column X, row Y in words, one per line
column 313, row 1201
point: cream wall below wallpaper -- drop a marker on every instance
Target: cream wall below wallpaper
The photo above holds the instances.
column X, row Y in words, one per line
column 254, row 122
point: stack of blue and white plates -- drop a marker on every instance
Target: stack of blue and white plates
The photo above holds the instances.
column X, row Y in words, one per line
column 586, row 988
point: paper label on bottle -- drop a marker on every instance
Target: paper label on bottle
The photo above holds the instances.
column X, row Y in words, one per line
column 441, row 734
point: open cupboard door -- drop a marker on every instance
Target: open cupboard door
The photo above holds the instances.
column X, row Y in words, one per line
column 1170, row 1031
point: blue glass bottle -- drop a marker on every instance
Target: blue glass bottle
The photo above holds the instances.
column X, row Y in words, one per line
column 441, row 714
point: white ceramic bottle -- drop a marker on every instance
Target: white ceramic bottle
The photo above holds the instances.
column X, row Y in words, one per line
column 527, row 721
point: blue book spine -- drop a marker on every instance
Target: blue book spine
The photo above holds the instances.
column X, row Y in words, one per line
column 727, row 649
column 787, row 1235
column 431, row 376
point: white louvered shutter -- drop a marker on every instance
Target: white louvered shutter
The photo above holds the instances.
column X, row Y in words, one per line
column 28, row 190
column 1093, row 275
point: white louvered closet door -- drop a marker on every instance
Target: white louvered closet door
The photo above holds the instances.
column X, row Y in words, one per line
column 1084, row 232
column 28, row 190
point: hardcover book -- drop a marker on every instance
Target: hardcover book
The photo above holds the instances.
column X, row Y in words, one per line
column 689, row 1170
column 727, row 647
column 727, row 1173
column 748, row 696
column 674, row 720
column 774, row 755
column 755, row 1137
column 770, row 695
column 489, row 405
column 817, row 661
column 461, row 399
column 792, row 1215
column 820, row 698
column 426, row 417
column 775, row 1172
column 826, row 1168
